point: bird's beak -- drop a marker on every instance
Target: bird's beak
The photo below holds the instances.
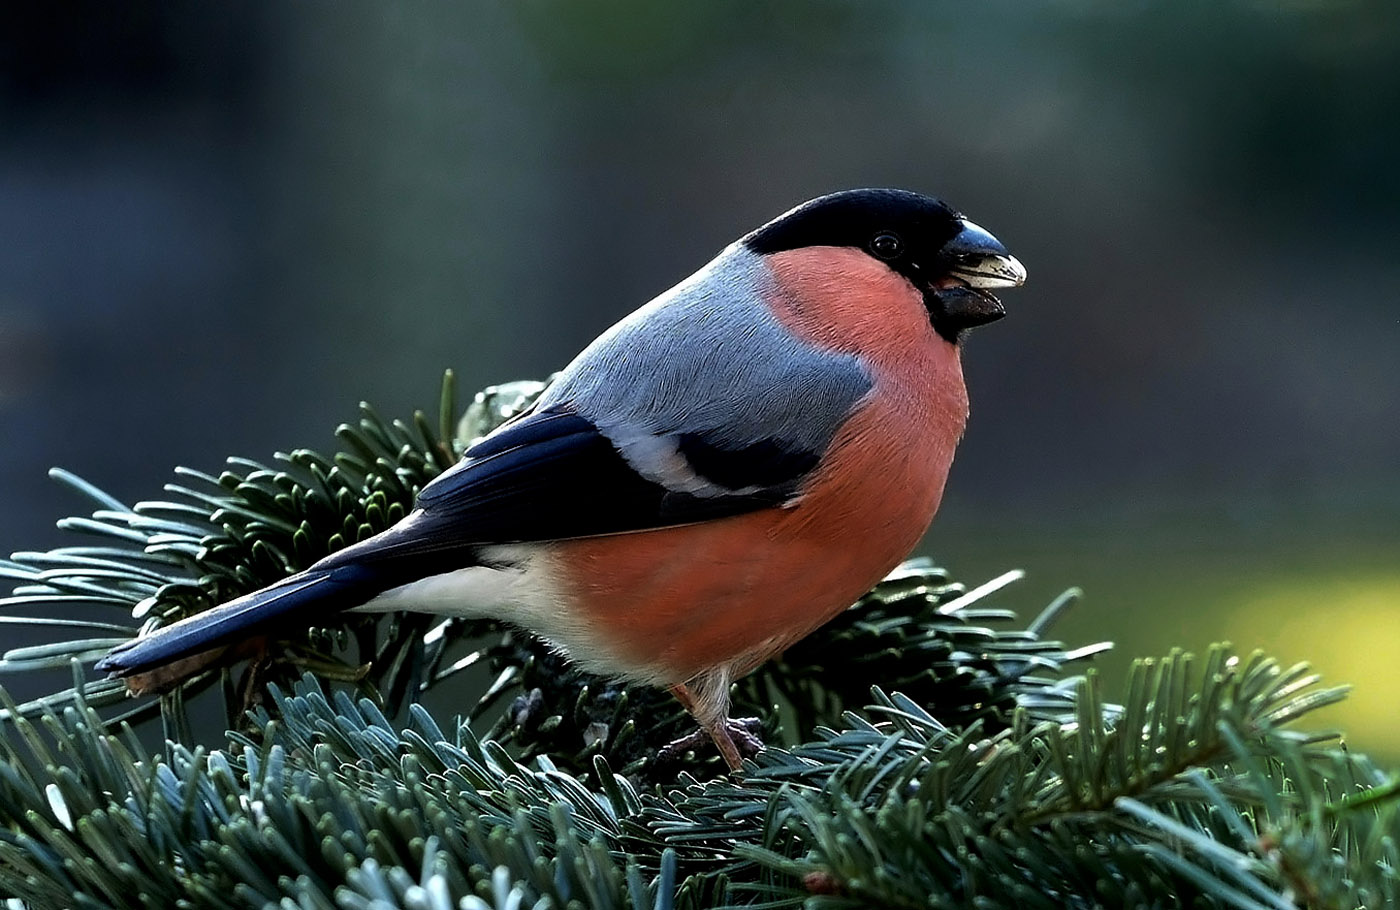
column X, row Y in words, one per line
column 976, row 261
column 979, row 259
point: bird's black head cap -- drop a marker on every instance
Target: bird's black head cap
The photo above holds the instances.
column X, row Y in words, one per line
column 950, row 260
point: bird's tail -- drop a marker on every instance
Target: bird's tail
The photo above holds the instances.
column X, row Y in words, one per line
column 306, row 595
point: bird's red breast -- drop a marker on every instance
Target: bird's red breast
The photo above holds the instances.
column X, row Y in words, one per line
column 734, row 591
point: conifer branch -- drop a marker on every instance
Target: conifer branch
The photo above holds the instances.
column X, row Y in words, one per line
column 928, row 751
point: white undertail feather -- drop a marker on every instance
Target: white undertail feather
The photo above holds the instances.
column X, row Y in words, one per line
column 523, row 591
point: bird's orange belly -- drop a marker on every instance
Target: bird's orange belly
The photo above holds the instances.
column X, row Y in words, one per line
column 732, row 592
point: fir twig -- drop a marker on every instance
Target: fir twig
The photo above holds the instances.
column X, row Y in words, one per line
column 983, row 771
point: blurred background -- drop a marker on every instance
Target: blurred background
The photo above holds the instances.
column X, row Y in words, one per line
column 223, row 225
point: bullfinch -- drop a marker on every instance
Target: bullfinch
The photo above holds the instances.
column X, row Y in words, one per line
column 713, row 478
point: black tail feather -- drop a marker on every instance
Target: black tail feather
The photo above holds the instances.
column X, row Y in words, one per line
column 304, row 596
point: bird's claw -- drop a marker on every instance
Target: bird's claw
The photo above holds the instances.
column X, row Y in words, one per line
column 747, row 734
column 743, row 732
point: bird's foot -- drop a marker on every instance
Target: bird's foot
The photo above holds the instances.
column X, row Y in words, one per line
column 746, row 733
column 735, row 737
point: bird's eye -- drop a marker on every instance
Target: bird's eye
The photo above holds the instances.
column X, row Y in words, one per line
column 886, row 246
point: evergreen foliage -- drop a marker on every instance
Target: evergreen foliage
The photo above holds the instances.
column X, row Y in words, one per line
column 925, row 749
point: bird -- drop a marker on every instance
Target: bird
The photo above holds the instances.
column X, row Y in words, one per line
column 714, row 477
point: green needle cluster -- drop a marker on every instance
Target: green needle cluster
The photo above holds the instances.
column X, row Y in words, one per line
column 926, row 748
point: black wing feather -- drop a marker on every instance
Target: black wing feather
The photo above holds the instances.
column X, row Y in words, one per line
column 548, row 476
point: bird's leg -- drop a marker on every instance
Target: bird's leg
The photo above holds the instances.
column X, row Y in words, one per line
column 728, row 749
column 683, row 696
column 733, row 737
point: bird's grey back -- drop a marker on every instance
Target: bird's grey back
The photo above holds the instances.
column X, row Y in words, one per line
column 710, row 357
